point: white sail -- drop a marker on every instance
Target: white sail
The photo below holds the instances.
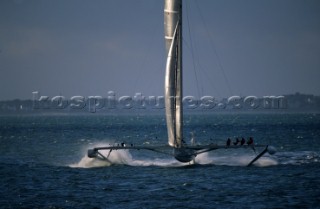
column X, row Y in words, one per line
column 173, row 77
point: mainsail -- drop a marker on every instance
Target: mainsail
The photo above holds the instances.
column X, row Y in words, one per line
column 173, row 77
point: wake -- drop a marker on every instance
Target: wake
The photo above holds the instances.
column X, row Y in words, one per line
column 124, row 157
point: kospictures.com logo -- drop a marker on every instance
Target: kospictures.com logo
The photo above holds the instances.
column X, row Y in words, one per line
column 139, row 101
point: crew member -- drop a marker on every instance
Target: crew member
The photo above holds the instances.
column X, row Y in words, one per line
column 243, row 141
column 228, row 142
column 250, row 141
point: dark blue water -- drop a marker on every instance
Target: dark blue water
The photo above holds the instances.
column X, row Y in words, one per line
column 43, row 163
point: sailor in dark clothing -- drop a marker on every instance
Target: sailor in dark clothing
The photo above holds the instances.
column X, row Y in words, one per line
column 250, row 141
column 243, row 141
column 237, row 141
column 228, row 142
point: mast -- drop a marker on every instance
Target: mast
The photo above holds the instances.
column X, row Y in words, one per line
column 173, row 77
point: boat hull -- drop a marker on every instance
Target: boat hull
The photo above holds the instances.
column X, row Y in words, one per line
column 184, row 155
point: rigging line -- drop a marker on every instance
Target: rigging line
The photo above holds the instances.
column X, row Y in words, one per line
column 192, row 53
column 214, row 50
column 206, row 74
column 196, row 60
column 193, row 57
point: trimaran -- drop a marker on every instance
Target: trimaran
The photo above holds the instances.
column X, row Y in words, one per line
column 173, row 99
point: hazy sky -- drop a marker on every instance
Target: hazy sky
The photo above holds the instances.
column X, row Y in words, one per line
column 87, row 48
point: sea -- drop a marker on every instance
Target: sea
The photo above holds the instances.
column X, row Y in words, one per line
column 44, row 163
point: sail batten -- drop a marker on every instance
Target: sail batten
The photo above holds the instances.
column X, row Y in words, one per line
column 173, row 77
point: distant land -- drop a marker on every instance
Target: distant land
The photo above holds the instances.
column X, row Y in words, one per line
column 297, row 102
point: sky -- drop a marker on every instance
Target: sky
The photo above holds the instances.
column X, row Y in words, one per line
column 88, row 48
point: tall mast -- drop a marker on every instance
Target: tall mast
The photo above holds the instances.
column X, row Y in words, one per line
column 173, row 77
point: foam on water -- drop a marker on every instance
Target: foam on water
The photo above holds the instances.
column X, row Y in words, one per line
column 86, row 162
column 122, row 157
column 280, row 158
column 116, row 157
column 157, row 162
column 240, row 160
